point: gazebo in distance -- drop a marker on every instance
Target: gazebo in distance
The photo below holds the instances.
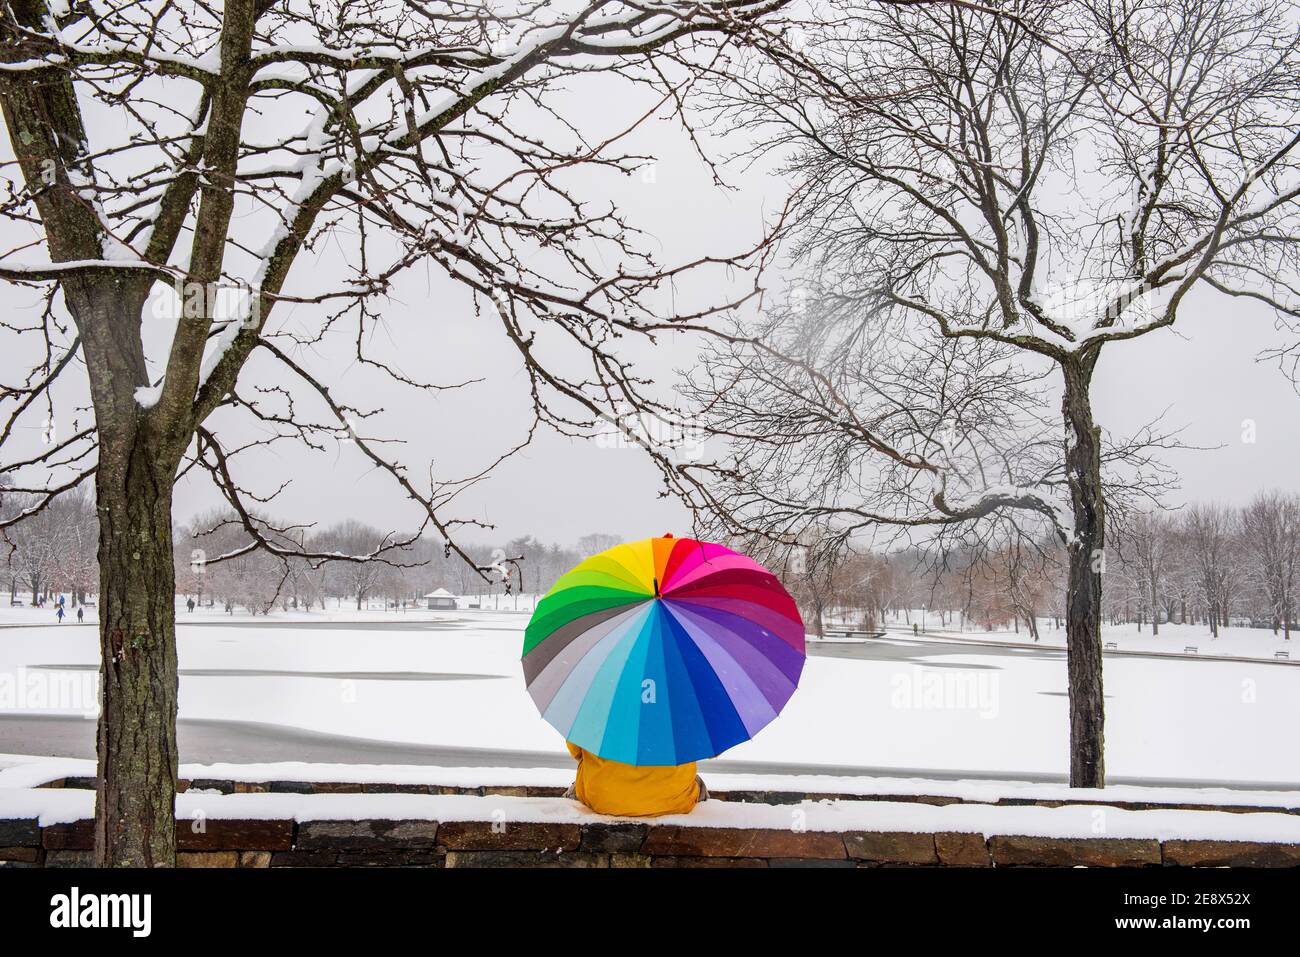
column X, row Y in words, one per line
column 441, row 600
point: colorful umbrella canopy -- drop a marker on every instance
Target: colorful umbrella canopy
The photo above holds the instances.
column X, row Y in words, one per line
column 663, row 651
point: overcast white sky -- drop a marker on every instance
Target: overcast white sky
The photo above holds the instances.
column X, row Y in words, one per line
column 1204, row 372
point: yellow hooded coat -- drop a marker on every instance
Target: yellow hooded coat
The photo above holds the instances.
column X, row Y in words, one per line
column 626, row 790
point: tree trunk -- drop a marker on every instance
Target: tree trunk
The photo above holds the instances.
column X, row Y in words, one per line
column 1155, row 611
column 1083, row 594
column 136, row 785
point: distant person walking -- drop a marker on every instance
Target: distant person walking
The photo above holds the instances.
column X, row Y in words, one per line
column 60, row 612
column 189, row 604
column 81, row 614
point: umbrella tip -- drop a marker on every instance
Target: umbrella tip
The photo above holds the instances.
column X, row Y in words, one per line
column 666, row 535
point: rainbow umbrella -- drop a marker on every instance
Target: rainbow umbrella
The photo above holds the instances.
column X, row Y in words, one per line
column 663, row 651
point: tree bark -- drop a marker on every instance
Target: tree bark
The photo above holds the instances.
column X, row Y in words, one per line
column 1155, row 610
column 136, row 784
column 1083, row 594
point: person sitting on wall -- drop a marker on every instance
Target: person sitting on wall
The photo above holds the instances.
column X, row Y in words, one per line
column 629, row 790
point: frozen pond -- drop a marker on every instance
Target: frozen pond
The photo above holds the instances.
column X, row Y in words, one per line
column 446, row 689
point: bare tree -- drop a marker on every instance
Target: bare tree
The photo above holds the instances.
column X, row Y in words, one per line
column 1149, row 537
column 595, row 542
column 31, row 553
column 1270, row 527
column 1025, row 565
column 814, row 571
column 429, row 133
column 1209, row 532
column 80, row 564
column 53, row 548
column 245, row 577
column 984, row 196
column 310, row 586
column 356, row 580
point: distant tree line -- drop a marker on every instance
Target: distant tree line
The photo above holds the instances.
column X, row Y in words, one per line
column 216, row 565
column 52, row 551
column 1208, row 564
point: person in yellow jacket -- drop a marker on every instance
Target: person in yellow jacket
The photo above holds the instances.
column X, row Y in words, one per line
column 626, row 790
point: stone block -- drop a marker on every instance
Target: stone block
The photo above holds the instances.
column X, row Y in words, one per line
column 1230, row 854
column 525, row 859
column 207, row 858
column 366, row 835
column 508, row 836
column 1013, row 851
column 891, row 847
column 77, row 836
column 674, row 841
column 20, row 832
column 613, row 838
column 960, row 849
column 234, row 835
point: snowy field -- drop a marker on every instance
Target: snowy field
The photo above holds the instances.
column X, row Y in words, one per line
column 907, row 707
column 1174, row 639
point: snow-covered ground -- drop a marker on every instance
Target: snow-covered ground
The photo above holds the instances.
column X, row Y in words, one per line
column 916, row 707
column 25, row 771
column 1174, row 639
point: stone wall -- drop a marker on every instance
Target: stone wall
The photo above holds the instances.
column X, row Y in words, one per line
column 228, row 786
column 418, row 843
column 423, row 843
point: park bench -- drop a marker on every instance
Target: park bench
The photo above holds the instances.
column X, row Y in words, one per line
column 1191, row 650
column 1111, row 645
column 1282, row 654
